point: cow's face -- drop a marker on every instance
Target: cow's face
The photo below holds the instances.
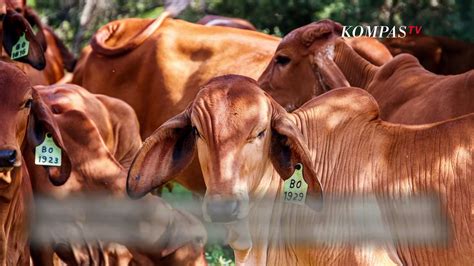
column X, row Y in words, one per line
column 232, row 134
column 241, row 136
column 16, row 97
column 23, row 116
column 291, row 77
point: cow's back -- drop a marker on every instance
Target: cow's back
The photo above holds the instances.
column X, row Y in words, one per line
column 162, row 75
column 409, row 94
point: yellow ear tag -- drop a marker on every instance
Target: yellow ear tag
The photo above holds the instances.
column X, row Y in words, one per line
column 47, row 153
column 21, row 48
column 295, row 188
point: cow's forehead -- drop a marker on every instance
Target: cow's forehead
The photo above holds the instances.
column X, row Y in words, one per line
column 235, row 106
column 13, row 82
column 290, row 38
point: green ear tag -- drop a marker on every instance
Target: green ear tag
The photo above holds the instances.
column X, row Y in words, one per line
column 21, row 48
column 47, row 153
column 295, row 188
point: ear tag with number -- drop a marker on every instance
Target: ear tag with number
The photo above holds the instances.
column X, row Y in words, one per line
column 48, row 153
column 21, row 48
column 295, row 188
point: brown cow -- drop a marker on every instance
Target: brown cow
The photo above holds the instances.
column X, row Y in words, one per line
column 102, row 136
column 311, row 60
column 213, row 20
column 438, row 54
column 58, row 57
column 180, row 56
column 247, row 145
column 25, row 120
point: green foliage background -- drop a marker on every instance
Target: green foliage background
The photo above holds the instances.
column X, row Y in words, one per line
column 453, row 18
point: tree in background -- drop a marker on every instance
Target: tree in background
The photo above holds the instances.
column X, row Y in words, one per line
column 453, row 18
column 77, row 20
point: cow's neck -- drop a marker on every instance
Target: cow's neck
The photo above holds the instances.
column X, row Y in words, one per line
column 260, row 222
column 356, row 69
column 13, row 206
column 333, row 148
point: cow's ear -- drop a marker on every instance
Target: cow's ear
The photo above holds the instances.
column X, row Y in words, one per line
column 163, row 156
column 15, row 26
column 35, row 20
column 41, row 123
column 288, row 149
column 326, row 69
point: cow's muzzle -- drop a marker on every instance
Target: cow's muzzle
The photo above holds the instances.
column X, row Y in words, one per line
column 218, row 209
column 8, row 158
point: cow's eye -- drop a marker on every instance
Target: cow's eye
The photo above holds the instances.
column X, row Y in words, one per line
column 196, row 132
column 282, row 60
column 261, row 134
column 18, row 9
column 28, row 103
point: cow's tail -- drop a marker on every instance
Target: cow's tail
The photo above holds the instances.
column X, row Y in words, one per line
column 98, row 42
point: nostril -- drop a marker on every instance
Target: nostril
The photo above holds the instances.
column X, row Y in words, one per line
column 7, row 158
column 12, row 157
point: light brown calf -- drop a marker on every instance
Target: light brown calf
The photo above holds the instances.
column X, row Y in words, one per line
column 247, row 145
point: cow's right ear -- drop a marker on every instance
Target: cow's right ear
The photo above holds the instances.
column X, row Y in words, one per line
column 163, row 156
column 14, row 27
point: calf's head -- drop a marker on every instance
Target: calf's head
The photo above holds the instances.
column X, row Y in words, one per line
column 25, row 121
column 292, row 76
column 240, row 135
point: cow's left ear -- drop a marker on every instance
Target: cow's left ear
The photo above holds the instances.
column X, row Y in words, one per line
column 41, row 122
column 288, row 149
column 14, row 27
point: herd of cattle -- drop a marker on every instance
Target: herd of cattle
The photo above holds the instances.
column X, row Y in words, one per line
column 361, row 116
